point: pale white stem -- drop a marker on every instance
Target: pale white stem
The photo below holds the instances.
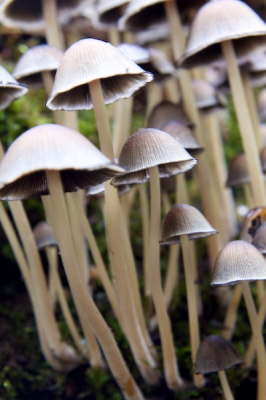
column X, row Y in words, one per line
column 225, row 385
column 173, row 379
column 80, row 292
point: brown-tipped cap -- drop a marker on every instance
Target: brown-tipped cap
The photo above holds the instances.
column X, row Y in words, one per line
column 183, row 134
column 238, row 261
column 217, row 21
column 52, row 147
column 28, row 15
column 238, row 171
column 261, row 103
column 34, row 61
column 207, row 96
column 10, row 89
column 215, row 354
column 183, row 219
column 165, row 112
column 148, row 148
column 252, row 222
column 259, row 240
column 44, row 235
column 88, row 60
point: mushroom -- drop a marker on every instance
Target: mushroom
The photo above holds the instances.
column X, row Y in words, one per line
column 240, row 262
column 10, row 89
column 181, row 223
column 215, row 354
column 150, row 154
column 75, row 156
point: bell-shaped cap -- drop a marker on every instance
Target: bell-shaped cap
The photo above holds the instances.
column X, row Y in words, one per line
column 183, row 134
column 183, row 219
column 136, row 53
column 34, row 61
column 165, row 112
column 218, row 21
column 88, row 60
column 148, row 148
column 10, row 89
column 44, row 235
column 207, row 96
column 238, row 261
column 52, row 147
column 259, row 240
column 238, row 171
column 109, row 11
column 141, row 14
column 215, row 354
column 27, row 14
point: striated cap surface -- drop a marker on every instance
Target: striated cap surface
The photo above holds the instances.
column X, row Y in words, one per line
column 88, row 60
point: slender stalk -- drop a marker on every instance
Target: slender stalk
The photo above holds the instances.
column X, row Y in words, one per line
column 231, row 313
column 53, row 34
column 225, row 385
column 51, row 253
column 245, row 123
column 80, row 292
column 92, row 344
column 252, row 343
column 119, row 266
column 173, row 379
column 145, row 235
column 192, row 307
column 260, row 347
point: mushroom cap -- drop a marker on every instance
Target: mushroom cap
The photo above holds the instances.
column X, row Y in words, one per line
column 10, row 89
column 207, row 96
column 183, row 219
column 252, row 221
column 88, row 60
column 218, row 21
column 27, row 14
column 149, row 148
column 36, row 60
column 52, row 147
column 165, row 112
column 238, row 261
column 183, row 134
column 141, row 14
column 136, row 53
column 238, row 171
column 215, row 354
column 109, row 11
column 44, row 235
column 259, row 240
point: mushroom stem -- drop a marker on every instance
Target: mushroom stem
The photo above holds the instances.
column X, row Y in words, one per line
column 252, row 107
column 145, row 235
column 173, row 379
column 246, row 128
column 231, row 313
column 53, row 34
column 80, row 292
column 51, row 254
column 260, row 347
column 88, row 233
column 92, row 344
column 252, row 344
column 101, row 118
column 192, row 306
column 225, row 385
